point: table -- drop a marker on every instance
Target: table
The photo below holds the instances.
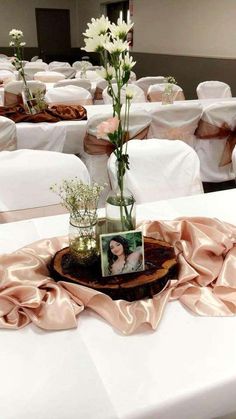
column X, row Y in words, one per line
column 75, row 130
column 186, row 369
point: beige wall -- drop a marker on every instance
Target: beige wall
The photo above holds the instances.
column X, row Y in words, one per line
column 20, row 14
column 203, row 28
column 186, row 27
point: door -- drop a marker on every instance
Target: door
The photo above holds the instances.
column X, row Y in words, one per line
column 114, row 9
column 53, row 30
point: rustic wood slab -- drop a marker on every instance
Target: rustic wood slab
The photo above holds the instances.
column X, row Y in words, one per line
column 160, row 267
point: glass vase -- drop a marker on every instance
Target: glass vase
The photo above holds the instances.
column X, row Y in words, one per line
column 29, row 102
column 120, row 211
column 167, row 97
column 83, row 242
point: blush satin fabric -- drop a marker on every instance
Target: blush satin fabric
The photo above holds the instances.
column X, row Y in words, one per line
column 206, row 285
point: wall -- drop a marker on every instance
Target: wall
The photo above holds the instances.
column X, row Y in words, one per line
column 20, row 14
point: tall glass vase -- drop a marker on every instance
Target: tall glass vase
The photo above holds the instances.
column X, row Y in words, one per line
column 29, row 102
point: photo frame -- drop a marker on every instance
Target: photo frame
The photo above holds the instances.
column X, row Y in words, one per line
column 122, row 253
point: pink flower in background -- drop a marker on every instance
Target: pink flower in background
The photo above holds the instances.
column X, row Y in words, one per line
column 107, row 127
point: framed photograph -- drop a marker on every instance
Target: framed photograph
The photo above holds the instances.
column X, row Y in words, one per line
column 122, row 253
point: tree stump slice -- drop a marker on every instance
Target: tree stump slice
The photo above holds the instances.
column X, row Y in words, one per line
column 160, row 267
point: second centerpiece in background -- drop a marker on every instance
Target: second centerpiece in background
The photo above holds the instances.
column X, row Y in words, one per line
column 109, row 40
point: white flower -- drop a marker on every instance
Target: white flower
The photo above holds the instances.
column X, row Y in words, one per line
column 107, row 73
column 129, row 93
column 121, row 29
column 117, row 46
column 97, row 27
column 16, row 34
column 22, row 44
column 95, row 44
column 127, row 63
column 12, row 44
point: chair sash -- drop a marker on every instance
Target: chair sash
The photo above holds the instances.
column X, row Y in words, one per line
column 184, row 133
column 98, row 94
column 12, row 99
column 156, row 96
column 96, row 146
column 207, row 131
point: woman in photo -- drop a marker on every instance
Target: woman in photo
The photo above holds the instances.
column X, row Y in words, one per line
column 121, row 259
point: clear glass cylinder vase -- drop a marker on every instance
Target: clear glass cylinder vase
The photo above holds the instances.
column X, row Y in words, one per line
column 167, row 97
column 120, row 211
column 29, row 102
column 83, row 242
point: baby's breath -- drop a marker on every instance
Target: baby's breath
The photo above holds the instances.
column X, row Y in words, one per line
column 78, row 198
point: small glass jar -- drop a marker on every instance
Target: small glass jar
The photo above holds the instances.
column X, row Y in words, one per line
column 83, row 242
column 29, row 102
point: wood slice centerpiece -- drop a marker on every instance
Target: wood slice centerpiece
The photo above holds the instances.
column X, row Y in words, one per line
column 160, row 267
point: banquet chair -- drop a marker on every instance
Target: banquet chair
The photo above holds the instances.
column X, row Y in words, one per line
column 155, row 92
column 6, row 76
column 86, row 84
column 97, row 150
column 177, row 121
column 49, row 76
column 145, row 82
column 100, row 86
column 34, row 58
column 12, row 91
column 68, row 95
column 90, row 75
column 159, row 169
column 7, row 134
column 6, row 65
column 25, row 180
column 234, row 161
column 68, row 72
column 215, row 141
column 55, row 64
column 213, row 90
column 137, row 92
column 78, row 65
column 31, row 68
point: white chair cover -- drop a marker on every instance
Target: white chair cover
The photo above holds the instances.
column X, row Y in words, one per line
column 86, row 84
column 68, row 72
column 34, row 67
column 97, row 163
column 138, row 94
column 13, row 89
column 155, row 92
column 49, row 76
column 78, row 65
column 6, row 76
column 7, row 134
column 175, row 122
column 90, row 75
column 26, row 177
column 100, row 86
column 6, row 65
column 68, row 95
column 159, row 169
column 133, row 77
column 210, row 151
column 55, row 64
column 234, row 161
column 213, row 89
column 145, row 82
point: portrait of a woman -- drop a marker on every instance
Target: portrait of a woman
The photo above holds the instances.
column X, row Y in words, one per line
column 121, row 259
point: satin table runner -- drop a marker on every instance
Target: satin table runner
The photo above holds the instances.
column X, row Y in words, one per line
column 206, row 284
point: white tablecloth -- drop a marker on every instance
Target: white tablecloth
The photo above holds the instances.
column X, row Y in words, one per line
column 75, row 130
column 186, row 369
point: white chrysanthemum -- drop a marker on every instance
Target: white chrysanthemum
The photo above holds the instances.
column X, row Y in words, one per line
column 129, row 93
column 127, row 63
column 117, row 46
column 95, row 44
column 107, row 73
column 22, row 44
column 16, row 34
column 12, row 44
column 121, row 29
column 97, row 27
